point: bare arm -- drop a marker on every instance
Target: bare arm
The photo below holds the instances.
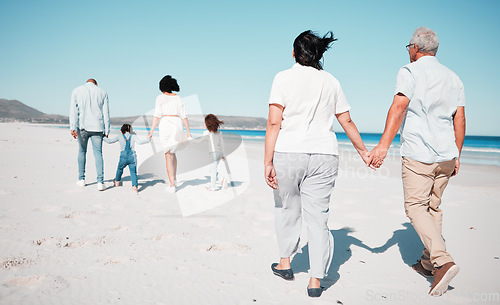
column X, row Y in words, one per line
column 395, row 117
column 186, row 123
column 153, row 127
column 273, row 128
column 352, row 133
column 459, row 126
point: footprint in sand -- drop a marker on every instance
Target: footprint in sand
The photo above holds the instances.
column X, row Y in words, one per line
column 49, row 208
column 230, row 247
column 24, row 261
column 67, row 242
column 81, row 214
column 97, row 241
column 4, row 192
column 47, row 283
column 169, row 236
column 117, row 260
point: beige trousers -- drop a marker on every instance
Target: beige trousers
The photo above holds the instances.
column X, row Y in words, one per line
column 423, row 186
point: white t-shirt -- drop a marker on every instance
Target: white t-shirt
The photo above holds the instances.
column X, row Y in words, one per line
column 435, row 92
column 310, row 100
column 169, row 105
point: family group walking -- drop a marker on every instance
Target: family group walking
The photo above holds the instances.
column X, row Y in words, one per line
column 89, row 119
column 301, row 151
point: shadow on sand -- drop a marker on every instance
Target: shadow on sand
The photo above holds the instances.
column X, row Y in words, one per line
column 407, row 240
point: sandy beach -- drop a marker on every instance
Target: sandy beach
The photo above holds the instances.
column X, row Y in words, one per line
column 63, row 244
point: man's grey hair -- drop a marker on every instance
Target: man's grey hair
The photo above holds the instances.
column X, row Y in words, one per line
column 426, row 40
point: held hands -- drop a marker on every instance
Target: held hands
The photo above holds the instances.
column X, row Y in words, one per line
column 378, row 155
column 366, row 156
column 150, row 135
column 270, row 175
column 74, row 134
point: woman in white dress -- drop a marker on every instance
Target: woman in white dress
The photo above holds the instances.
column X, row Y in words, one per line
column 171, row 113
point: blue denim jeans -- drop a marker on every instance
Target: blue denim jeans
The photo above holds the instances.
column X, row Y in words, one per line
column 96, row 139
column 215, row 157
column 127, row 157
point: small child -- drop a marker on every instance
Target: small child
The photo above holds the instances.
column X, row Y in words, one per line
column 127, row 155
column 215, row 148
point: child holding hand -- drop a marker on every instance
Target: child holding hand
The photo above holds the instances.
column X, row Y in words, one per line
column 127, row 154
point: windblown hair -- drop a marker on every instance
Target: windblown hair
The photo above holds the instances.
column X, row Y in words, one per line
column 126, row 128
column 309, row 48
column 168, row 84
column 212, row 123
column 426, row 40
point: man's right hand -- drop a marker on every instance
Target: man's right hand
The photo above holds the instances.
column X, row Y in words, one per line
column 457, row 167
column 74, row 134
column 378, row 155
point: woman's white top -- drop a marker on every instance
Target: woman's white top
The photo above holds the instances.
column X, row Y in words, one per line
column 310, row 100
column 215, row 141
column 169, row 105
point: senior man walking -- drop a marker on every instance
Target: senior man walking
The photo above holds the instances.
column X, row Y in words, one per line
column 428, row 105
column 89, row 119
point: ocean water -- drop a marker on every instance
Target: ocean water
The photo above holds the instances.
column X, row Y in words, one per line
column 477, row 149
column 483, row 150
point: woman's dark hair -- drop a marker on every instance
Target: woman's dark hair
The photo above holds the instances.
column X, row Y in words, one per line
column 309, row 48
column 212, row 123
column 126, row 128
column 168, row 84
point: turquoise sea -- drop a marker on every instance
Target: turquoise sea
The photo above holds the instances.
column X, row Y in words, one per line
column 477, row 149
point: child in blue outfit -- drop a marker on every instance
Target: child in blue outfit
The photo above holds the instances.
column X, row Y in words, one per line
column 127, row 155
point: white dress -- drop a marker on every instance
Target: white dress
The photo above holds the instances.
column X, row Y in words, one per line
column 170, row 110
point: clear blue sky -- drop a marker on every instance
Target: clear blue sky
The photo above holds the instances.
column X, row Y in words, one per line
column 227, row 52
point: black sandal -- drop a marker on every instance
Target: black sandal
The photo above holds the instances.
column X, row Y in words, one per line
column 315, row 292
column 286, row 274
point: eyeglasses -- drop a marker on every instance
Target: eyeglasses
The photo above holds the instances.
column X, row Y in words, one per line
column 408, row 46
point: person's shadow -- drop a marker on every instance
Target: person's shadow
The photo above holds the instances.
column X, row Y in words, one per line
column 409, row 244
column 342, row 242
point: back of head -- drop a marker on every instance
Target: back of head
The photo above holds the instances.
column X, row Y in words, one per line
column 91, row 80
column 309, row 48
column 426, row 40
column 212, row 123
column 126, row 128
column 168, row 84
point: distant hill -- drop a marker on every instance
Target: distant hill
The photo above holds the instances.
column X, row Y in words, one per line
column 15, row 111
column 197, row 121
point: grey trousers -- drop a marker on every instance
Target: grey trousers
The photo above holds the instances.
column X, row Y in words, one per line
column 305, row 183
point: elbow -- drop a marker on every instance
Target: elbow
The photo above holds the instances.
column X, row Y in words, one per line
column 273, row 125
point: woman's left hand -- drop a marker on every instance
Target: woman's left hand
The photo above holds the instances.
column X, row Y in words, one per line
column 270, row 175
column 367, row 158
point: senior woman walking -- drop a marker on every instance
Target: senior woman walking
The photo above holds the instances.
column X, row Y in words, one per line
column 301, row 154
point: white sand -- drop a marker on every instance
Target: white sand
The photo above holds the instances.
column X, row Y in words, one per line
column 61, row 244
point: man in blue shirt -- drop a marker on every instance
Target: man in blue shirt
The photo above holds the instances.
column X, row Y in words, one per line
column 89, row 119
column 429, row 106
